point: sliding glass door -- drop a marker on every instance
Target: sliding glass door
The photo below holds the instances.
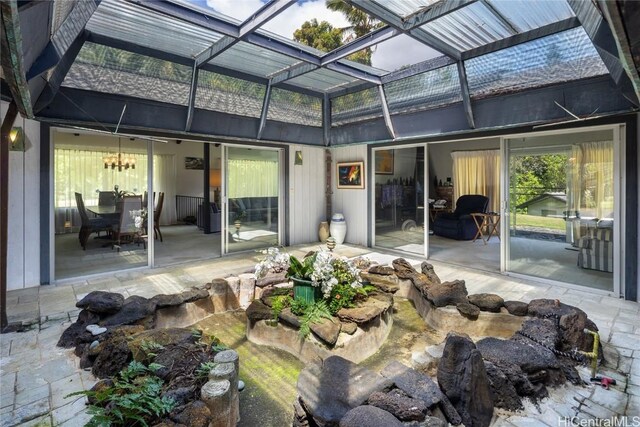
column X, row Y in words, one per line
column 252, row 194
column 399, row 199
column 562, row 207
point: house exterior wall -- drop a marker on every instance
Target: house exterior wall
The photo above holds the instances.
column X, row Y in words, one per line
column 23, row 230
column 546, row 207
column 306, row 193
column 351, row 203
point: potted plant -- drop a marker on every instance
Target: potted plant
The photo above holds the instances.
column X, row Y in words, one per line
column 238, row 218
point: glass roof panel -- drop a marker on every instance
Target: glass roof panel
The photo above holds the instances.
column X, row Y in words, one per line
column 294, row 107
column 135, row 24
column 229, row 95
column 468, row 27
column 405, row 8
column 395, row 53
column 322, row 80
column 253, row 59
column 61, row 9
column 106, row 69
column 557, row 58
column 527, row 15
column 234, row 11
column 355, row 107
column 423, row 91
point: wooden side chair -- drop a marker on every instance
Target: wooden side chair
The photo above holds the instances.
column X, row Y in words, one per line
column 156, row 216
column 89, row 225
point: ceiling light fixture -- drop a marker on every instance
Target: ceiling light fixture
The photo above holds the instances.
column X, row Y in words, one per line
column 119, row 160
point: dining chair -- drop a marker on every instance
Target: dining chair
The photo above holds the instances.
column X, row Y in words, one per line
column 126, row 227
column 156, row 216
column 89, row 225
column 106, row 198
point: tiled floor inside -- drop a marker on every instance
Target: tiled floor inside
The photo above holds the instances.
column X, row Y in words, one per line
column 36, row 376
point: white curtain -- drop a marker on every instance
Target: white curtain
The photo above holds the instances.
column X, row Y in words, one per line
column 252, row 178
column 477, row 172
column 164, row 180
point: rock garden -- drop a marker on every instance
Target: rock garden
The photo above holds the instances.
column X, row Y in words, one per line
column 331, row 313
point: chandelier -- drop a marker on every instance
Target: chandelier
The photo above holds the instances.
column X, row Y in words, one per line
column 120, row 160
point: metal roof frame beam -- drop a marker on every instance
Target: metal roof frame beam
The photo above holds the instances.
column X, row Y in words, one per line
column 500, row 17
column 385, row 112
column 192, row 96
column 215, row 49
column 292, row 72
column 433, row 12
column 70, row 30
column 603, row 40
column 378, row 36
column 351, row 89
column 419, row 68
column 536, row 33
column 326, row 120
column 12, row 58
column 265, row 111
column 466, row 98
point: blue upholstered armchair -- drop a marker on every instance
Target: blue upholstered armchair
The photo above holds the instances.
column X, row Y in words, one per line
column 459, row 224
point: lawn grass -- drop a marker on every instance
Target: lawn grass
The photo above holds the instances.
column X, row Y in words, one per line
column 523, row 220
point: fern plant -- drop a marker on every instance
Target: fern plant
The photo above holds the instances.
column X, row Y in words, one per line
column 134, row 399
column 313, row 313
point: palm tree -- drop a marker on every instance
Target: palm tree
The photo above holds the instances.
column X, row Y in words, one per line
column 361, row 24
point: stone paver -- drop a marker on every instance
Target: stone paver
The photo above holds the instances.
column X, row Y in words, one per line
column 35, row 375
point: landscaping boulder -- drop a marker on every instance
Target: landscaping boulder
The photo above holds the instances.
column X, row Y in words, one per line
column 469, row 311
column 135, row 309
column 413, row 383
column 195, row 414
column 516, row 308
column 366, row 310
column 448, row 293
column 544, row 332
column 140, row 342
column 114, row 356
column 271, row 279
column 289, row 318
column 382, row 270
column 505, row 395
column 101, row 302
column 403, row 269
column 369, row 416
column 329, row 391
column 385, row 283
column 349, row 328
column 463, row 379
column 487, row 302
column 163, row 300
column 530, row 359
column 399, row 405
column 77, row 333
column 258, row 310
column 428, row 270
column 327, row 330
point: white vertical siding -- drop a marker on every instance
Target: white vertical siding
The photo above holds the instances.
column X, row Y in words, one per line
column 23, row 234
column 351, row 203
column 306, row 194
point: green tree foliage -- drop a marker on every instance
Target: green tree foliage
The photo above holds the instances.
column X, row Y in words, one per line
column 320, row 35
column 534, row 175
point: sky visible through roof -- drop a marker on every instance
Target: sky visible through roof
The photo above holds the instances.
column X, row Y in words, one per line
column 389, row 55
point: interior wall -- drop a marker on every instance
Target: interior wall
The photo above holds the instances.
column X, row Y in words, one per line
column 306, row 194
column 23, row 232
column 404, row 165
column 352, row 203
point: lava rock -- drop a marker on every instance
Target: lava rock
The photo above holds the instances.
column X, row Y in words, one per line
column 487, row 302
column 163, row 300
column 413, row 383
column 504, row 392
column 160, row 337
column 529, row 358
column 194, row 414
column 258, row 310
column 180, row 395
column 399, row 405
column 469, row 311
column 382, row 270
column 385, row 283
column 427, row 422
column 289, row 318
column 327, row 330
column 349, row 328
column 428, row 270
column 448, row 293
column 541, row 331
column 134, row 309
column 113, row 357
column 329, row 391
column 403, row 269
column 101, row 302
column 517, row 308
column 366, row 310
column 194, row 294
column 69, row 337
column 463, row 379
column 369, row 416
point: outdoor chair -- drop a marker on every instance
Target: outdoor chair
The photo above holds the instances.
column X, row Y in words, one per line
column 459, row 224
column 89, row 225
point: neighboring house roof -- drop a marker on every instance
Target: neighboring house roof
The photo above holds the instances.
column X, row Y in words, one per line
column 560, row 197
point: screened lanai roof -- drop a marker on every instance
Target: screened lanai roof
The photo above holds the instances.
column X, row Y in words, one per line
column 426, row 55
